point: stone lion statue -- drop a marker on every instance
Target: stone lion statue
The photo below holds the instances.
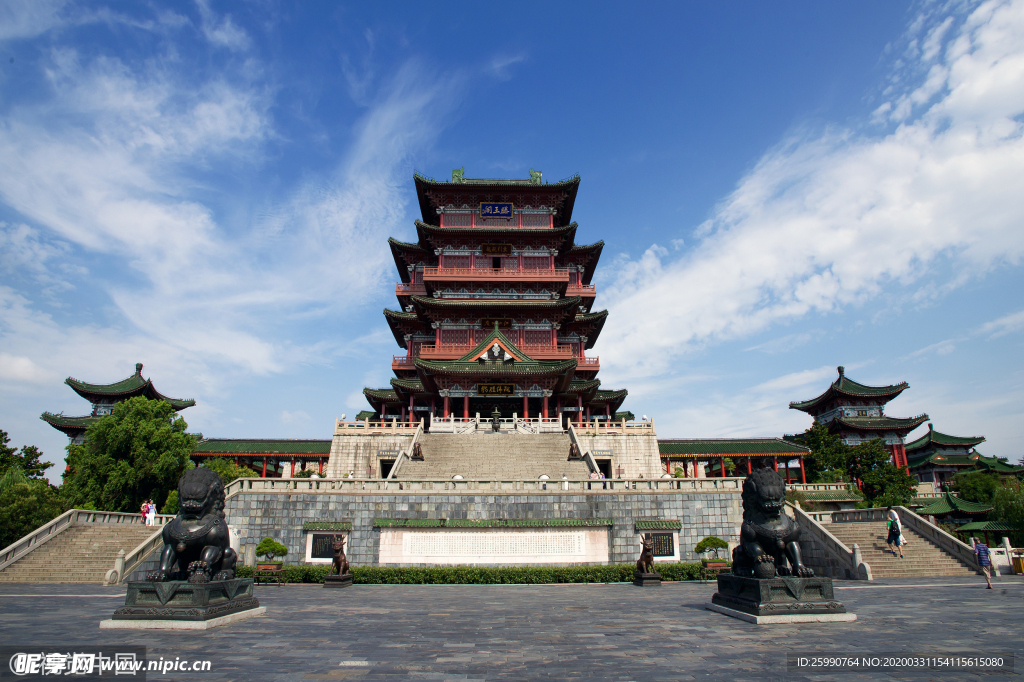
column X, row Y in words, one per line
column 196, row 542
column 768, row 537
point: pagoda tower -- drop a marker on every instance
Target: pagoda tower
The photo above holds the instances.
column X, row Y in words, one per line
column 495, row 306
column 103, row 398
column 856, row 413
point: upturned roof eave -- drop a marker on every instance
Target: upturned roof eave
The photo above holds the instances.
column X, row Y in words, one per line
column 888, row 424
column 569, row 186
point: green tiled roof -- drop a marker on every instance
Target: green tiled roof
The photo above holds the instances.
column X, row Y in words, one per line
column 657, row 524
column 994, row 463
column 386, row 395
column 327, row 525
column 591, row 317
column 879, row 423
column 425, row 230
column 248, row 446
column 627, row 415
column 408, row 384
column 491, row 369
column 942, row 439
column 833, row 496
column 464, row 304
column 71, row 426
column 990, row 526
column 949, row 503
column 848, row 387
column 528, row 182
column 726, row 447
column 936, row 458
column 582, row 386
column 495, row 335
column 365, row 415
column 126, row 388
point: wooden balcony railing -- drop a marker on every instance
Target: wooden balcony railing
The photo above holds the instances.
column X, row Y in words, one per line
column 401, row 362
column 537, row 352
column 417, row 289
column 455, row 274
column 589, row 364
column 581, row 290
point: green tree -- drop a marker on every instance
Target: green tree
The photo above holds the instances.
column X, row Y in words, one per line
column 171, row 505
column 25, row 504
column 1008, row 507
column 888, row 485
column 228, row 470
column 976, row 486
column 137, row 452
column 28, row 459
column 828, row 459
column 711, row 542
column 270, row 548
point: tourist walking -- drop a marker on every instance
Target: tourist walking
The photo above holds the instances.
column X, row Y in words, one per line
column 144, row 510
column 984, row 560
column 895, row 537
column 150, row 512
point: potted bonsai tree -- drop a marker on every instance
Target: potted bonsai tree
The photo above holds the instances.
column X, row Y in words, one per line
column 710, row 547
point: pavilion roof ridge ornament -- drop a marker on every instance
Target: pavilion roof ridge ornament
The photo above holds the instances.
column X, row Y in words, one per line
column 846, row 387
column 459, row 178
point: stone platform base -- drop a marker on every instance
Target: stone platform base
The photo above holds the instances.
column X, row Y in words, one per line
column 646, row 579
column 180, row 624
column 784, row 618
column 338, row 580
column 783, row 595
column 184, row 601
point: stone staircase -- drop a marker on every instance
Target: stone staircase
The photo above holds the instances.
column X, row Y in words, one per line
column 921, row 557
column 80, row 554
column 494, row 456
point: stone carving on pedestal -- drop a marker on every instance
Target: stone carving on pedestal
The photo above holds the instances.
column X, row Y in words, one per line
column 195, row 580
column 645, row 575
column 768, row 576
column 339, row 575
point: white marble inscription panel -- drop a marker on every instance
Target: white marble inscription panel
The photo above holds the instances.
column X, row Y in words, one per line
column 493, row 546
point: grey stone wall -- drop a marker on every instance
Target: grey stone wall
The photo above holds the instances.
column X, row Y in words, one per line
column 255, row 516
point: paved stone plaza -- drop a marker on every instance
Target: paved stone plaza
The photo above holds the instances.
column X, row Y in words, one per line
column 517, row 632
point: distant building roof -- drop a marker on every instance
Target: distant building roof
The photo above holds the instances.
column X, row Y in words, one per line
column 729, row 447
column 849, row 388
column 940, row 439
column 133, row 386
column 950, row 503
column 295, row 447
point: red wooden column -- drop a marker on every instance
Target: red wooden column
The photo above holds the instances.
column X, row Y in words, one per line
column 786, row 464
column 775, row 464
column 803, row 472
column 293, row 468
column 321, row 472
column 545, row 407
column 750, row 470
column 608, row 411
column 526, row 407
column 465, row 407
column 721, row 465
column 264, row 474
column 446, row 406
column 579, row 410
column 412, row 403
column 403, row 413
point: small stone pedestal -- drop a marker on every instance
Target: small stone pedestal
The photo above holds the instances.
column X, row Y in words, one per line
column 778, row 600
column 646, row 579
column 181, row 605
column 338, row 580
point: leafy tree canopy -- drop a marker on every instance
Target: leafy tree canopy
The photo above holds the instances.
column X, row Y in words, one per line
column 709, row 543
column 976, row 486
column 228, row 470
column 888, row 485
column 270, row 548
column 28, row 459
column 828, row 459
column 137, row 452
column 25, row 505
column 1008, row 507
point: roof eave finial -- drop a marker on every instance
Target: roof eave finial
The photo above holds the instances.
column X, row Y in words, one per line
column 842, row 370
column 138, row 368
column 931, row 427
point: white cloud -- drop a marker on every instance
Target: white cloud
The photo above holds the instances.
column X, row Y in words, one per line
column 27, row 18
column 1004, row 325
column 23, row 369
column 295, row 417
column 832, row 220
column 223, row 33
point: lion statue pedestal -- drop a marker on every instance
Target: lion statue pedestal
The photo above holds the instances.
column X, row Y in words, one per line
column 194, row 586
column 769, row 582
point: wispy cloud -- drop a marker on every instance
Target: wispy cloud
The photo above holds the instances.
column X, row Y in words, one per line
column 1004, row 325
column 830, row 220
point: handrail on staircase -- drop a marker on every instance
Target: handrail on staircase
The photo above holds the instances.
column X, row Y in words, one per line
column 406, row 454
column 850, row 559
column 72, row 517
column 930, row 532
column 587, row 457
column 126, row 564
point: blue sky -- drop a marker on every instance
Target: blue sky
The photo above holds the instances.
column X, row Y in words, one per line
column 208, row 188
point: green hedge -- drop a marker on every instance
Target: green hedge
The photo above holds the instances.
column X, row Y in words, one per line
column 482, row 575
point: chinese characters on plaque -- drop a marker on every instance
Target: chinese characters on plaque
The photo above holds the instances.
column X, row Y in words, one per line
column 496, row 209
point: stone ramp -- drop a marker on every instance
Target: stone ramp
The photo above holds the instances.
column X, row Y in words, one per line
column 80, row 554
column 494, row 456
column 921, row 557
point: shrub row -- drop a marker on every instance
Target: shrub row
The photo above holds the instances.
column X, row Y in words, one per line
column 482, row 575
